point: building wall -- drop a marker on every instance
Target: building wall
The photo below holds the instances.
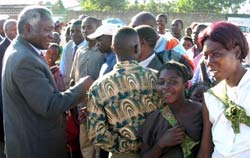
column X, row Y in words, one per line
column 187, row 18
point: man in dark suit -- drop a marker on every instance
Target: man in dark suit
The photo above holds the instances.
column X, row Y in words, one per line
column 154, row 60
column 148, row 38
column 10, row 33
column 33, row 108
column 2, row 20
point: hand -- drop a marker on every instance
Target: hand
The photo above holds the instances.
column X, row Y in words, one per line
column 87, row 82
column 172, row 137
column 72, row 82
column 83, row 115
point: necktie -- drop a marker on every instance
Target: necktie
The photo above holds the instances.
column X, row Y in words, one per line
column 74, row 54
column 43, row 58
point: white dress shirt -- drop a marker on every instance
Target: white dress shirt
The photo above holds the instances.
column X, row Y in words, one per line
column 146, row 62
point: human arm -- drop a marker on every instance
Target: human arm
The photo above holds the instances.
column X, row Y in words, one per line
column 172, row 137
column 94, row 64
column 36, row 84
column 62, row 62
column 73, row 71
column 206, row 148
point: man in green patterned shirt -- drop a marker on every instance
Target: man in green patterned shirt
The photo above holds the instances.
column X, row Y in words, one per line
column 119, row 101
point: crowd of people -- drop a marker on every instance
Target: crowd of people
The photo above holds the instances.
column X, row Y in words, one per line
column 122, row 90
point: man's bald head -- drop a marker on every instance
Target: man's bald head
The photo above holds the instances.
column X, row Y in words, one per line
column 144, row 18
column 125, row 44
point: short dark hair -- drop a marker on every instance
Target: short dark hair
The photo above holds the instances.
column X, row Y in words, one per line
column 144, row 18
column 164, row 16
column 122, row 39
column 148, row 34
column 55, row 45
column 77, row 22
column 180, row 68
column 227, row 34
column 96, row 21
column 187, row 38
column 178, row 21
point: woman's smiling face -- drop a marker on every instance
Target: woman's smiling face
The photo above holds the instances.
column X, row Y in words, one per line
column 170, row 85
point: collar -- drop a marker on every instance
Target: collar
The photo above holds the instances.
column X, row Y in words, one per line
column 7, row 38
column 146, row 62
column 160, row 44
column 109, row 56
column 38, row 51
column 126, row 64
column 243, row 80
column 84, row 43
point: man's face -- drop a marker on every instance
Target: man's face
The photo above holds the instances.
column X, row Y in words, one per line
column 176, row 27
column 11, row 31
column 161, row 23
column 41, row 34
column 88, row 27
column 76, row 34
column 104, row 43
column 56, row 38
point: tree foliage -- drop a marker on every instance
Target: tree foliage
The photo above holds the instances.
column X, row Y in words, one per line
column 103, row 5
column 212, row 6
column 184, row 6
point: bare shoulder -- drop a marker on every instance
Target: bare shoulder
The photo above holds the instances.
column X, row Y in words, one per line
column 194, row 106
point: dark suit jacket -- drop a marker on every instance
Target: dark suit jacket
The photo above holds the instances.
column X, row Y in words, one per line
column 33, row 109
column 155, row 63
column 3, row 46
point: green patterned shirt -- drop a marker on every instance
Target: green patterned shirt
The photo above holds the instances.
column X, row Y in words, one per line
column 118, row 103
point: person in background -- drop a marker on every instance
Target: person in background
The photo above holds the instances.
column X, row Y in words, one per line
column 73, row 147
column 51, row 56
column 177, row 131
column 88, row 61
column 10, row 30
column 148, row 38
column 67, row 34
column 195, row 52
column 149, row 58
column 162, row 21
column 201, row 73
column 2, row 34
column 163, row 43
column 226, row 107
column 57, row 38
column 187, row 42
column 33, row 108
column 188, row 31
column 103, row 37
column 193, row 24
column 177, row 27
column 68, row 56
column 69, row 51
column 120, row 100
column 58, row 27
